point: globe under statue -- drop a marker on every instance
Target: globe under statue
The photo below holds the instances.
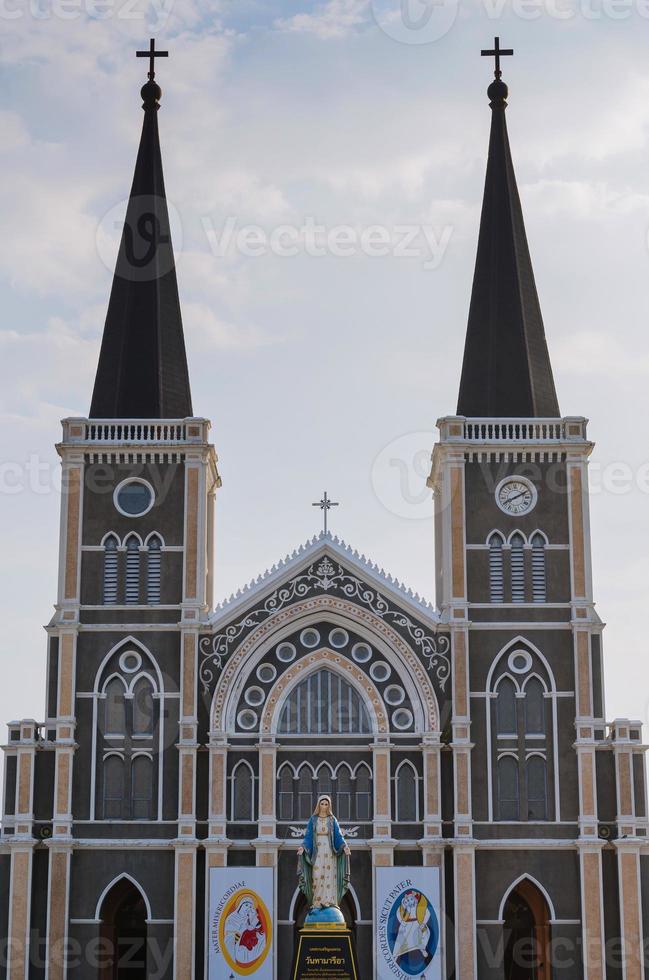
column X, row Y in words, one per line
column 324, row 868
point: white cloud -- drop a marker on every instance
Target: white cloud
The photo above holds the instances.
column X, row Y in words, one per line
column 334, row 19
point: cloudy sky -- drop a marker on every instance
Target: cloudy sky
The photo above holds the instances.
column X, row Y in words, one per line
column 327, row 362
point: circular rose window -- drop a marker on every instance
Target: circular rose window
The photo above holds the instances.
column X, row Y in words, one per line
column 134, row 498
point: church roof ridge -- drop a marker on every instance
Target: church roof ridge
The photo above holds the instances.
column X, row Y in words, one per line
column 322, row 542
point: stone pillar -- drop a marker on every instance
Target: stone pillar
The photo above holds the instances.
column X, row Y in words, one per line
column 22, row 746
column 431, row 750
column 267, row 795
column 382, row 790
column 628, row 848
column 185, row 910
column 465, row 912
column 592, row 909
column 187, row 743
column 218, row 786
column 60, row 858
column 21, row 845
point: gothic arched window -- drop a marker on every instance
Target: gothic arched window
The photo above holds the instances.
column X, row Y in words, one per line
column 243, row 792
column 324, row 784
column 508, row 788
column 534, row 707
column 537, row 795
column 115, row 707
column 142, row 787
column 132, row 570
column 143, row 707
column 518, row 568
column 110, row 570
column 363, row 793
column 286, row 793
column 305, row 792
column 506, row 708
column 128, row 706
column 521, row 728
column 539, row 586
column 324, row 702
column 406, row 793
column 113, row 789
column 344, row 792
column 153, row 570
column 496, row 575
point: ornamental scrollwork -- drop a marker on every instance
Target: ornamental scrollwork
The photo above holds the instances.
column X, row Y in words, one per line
column 325, row 576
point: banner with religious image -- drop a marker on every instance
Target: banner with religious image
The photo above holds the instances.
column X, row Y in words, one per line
column 240, row 923
column 407, row 927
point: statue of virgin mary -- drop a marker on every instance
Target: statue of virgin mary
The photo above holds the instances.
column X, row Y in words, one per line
column 324, row 860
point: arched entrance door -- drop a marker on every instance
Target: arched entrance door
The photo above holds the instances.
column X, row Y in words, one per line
column 123, row 915
column 527, row 934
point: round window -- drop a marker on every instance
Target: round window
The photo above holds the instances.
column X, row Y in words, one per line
column 247, row 719
column 402, row 719
column 286, row 652
column 520, row 661
column 255, row 696
column 310, row 638
column 130, row 661
column 394, row 694
column 362, row 652
column 380, row 671
column 133, row 498
column 266, row 673
column 339, row 638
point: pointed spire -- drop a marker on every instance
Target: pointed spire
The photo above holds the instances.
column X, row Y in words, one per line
column 142, row 371
column 506, row 370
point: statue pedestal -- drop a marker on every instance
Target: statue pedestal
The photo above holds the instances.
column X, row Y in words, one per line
column 325, row 951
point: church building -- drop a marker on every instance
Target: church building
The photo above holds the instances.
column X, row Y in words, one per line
column 462, row 739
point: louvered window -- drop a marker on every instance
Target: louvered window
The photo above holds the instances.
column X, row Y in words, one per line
column 113, row 787
column 363, row 793
column 535, row 774
column 153, row 571
column 305, row 793
column 496, row 581
column 110, row 571
column 539, row 588
column 518, row 569
column 132, row 570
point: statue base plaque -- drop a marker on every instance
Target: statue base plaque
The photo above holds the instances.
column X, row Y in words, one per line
column 325, row 951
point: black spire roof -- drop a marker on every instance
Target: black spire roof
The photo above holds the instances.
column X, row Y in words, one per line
column 142, row 371
column 506, row 370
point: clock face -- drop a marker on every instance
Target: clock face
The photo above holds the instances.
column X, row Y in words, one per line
column 516, row 496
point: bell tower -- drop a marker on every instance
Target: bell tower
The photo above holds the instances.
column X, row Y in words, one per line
column 514, row 583
column 119, row 743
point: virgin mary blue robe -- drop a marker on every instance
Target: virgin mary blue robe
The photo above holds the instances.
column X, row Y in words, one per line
column 308, row 857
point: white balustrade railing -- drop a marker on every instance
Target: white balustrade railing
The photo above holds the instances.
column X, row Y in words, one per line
column 120, row 432
column 484, row 430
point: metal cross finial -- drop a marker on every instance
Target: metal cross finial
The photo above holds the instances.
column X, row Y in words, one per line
column 497, row 52
column 325, row 505
column 152, row 54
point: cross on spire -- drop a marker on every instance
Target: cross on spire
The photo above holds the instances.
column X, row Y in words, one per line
column 325, row 505
column 496, row 52
column 152, row 54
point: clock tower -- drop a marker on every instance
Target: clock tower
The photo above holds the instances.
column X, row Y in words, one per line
column 534, row 761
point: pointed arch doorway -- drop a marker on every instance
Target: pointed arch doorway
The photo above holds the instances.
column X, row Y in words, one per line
column 526, row 928
column 124, row 928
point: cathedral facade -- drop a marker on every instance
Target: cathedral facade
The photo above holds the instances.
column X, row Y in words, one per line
column 467, row 736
